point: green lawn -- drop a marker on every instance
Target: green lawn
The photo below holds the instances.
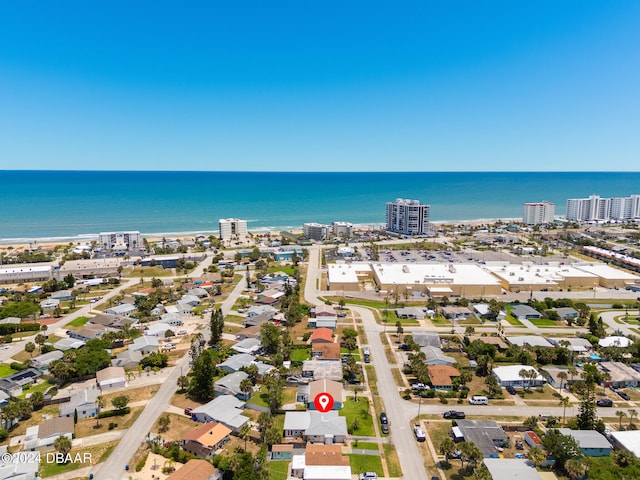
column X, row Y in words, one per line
column 287, row 270
column 365, row 463
column 6, row 370
column 278, row 469
column 391, row 457
column 545, row 322
column 300, row 354
column 79, row 322
column 513, row 321
column 356, row 445
column 41, row 387
column 357, row 413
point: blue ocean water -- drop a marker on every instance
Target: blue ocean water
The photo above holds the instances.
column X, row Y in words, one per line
column 65, row 205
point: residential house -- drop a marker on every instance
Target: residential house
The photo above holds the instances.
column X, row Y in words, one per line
column 325, row 316
column 453, row 312
column 62, row 295
column 225, row 409
column 486, row 434
column 321, row 369
column 111, row 378
column 441, row 376
column 12, row 384
column 41, row 362
column 230, row 385
column 321, row 462
column 190, row 300
column 435, row 356
column 68, row 344
column 591, row 442
column 17, row 470
column 88, row 332
column 157, row 330
column 576, row 344
column 325, row 351
column 196, row 469
column 83, row 402
column 525, row 312
column 124, row 309
column 414, row 313
column 198, row 292
column 45, row 434
column 316, row 427
column 622, row 375
column 240, row 360
column 322, row 335
column 496, row 341
column 256, row 310
column 172, row 319
column 566, row 313
column 204, row 440
column 257, row 320
column 249, row 332
column 551, row 373
column 49, row 304
column 129, row 359
column 627, row 440
column 145, row 345
column 510, row 376
column 427, row 339
column 331, row 387
column 248, row 345
column 267, row 301
column 507, row 468
column 281, row 451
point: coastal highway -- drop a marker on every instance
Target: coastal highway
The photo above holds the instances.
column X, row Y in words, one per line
column 114, row 467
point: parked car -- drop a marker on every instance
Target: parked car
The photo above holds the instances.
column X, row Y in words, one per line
column 420, row 386
column 623, row 395
column 511, row 390
column 419, row 433
column 368, row 476
column 605, row 402
column 384, row 418
column 187, row 411
column 453, row 414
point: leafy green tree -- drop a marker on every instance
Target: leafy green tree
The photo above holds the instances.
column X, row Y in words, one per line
column 37, row 400
column 69, row 280
column 120, row 402
column 561, row 447
column 216, row 325
column 183, row 382
column 203, row 371
column 270, row 337
column 163, row 423
column 536, row 455
column 448, row 448
column 275, row 391
column 30, row 348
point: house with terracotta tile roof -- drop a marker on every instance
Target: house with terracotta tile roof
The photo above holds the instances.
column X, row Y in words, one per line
column 325, row 351
column 321, row 462
column 196, row 469
column 206, row 439
column 442, row 376
column 322, row 335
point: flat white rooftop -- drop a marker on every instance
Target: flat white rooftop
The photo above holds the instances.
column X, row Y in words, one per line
column 532, row 274
column 346, row 272
column 605, row 271
column 433, row 273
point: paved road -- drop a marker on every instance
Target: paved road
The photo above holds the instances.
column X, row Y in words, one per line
column 409, row 455
column 114, row 467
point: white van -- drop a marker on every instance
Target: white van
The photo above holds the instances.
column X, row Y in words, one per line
column 479, row 400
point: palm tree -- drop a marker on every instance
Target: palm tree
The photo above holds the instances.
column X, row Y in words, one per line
column 632, row 413
column 246, row 386
column 62, row 444
column 573, row 371
column 564, row 402
column 606, row 376
column 447, row 448
column 244, row 434
column 524, row 374
column 100, row 402
column 536, row 455
column 563, row 379
column 620, row 414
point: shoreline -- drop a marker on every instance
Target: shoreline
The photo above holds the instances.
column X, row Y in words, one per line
column 50, row 242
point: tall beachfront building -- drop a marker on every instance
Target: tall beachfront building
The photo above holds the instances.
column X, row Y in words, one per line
column 597, row 209
column 538, row 213
column 232, row 229
column 119, row 240
column 409, row 217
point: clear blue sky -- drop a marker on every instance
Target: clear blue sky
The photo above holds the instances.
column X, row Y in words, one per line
column 320, row 85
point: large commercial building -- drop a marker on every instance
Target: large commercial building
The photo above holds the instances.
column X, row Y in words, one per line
column 597, row 209
column 119, row 240
column 409, row 217
column 342, row 229
column 315, row 231
column 538, row 213
column 232, row 229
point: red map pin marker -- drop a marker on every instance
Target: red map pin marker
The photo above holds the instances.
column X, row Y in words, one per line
column 323, row 402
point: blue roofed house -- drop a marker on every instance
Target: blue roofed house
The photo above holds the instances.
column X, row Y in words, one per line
column 521, row 311
column 83, row 402
column 225, row 409
column 124, row 309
